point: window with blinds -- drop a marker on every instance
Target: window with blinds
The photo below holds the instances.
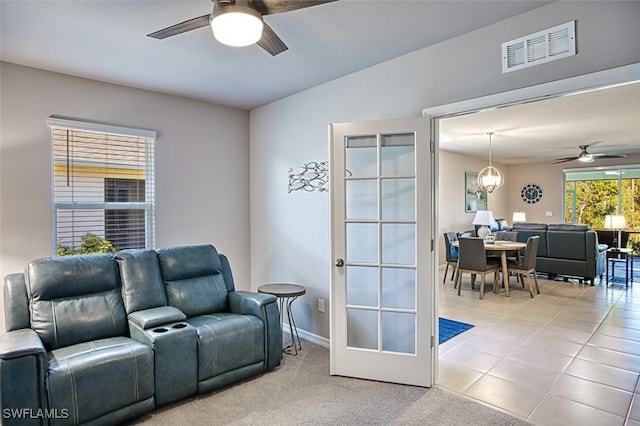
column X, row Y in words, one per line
column 103, row 187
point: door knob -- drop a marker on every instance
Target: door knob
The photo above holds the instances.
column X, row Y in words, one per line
column 339, row 263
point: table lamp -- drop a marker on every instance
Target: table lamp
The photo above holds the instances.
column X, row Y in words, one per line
column 519, row 217
column 616, row 222
column 485, row 219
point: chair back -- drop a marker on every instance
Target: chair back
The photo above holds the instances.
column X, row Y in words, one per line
column 530, row 252
column 507, row 236
column 451, row 251
column 472, row 254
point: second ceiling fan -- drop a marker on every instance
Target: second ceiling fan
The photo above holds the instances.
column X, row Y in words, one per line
column 240, row 23
column 586, row 157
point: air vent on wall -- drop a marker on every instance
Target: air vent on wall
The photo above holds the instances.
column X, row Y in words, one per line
column 538, row 48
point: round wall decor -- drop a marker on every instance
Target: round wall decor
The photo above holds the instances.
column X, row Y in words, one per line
column 531, row 193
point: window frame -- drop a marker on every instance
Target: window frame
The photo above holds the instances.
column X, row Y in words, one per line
column 57, row 122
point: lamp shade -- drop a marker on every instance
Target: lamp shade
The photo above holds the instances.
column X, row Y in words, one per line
column 615, row 221
column 519, row 217
column 483, row 217
column 236, row 25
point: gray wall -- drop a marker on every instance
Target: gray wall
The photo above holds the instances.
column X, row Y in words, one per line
column 290, row 232
column 202, row 156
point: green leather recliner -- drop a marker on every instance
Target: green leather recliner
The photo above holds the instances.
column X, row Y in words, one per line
column 105, row 338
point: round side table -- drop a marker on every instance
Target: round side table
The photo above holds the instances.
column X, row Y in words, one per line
column 286, row 294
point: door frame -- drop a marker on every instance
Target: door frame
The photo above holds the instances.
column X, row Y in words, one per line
column 568, row 86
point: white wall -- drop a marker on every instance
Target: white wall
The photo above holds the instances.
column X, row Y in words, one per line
column 451, row 191
column 202, row 161
column 290, row 232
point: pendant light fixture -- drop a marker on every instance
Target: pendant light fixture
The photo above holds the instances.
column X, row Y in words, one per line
column 490, row 178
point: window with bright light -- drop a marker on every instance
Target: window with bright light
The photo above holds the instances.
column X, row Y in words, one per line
column 592, row 194
column 103, row 187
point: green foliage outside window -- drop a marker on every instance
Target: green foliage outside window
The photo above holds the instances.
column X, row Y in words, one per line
column 594, row 199
column 91, row 244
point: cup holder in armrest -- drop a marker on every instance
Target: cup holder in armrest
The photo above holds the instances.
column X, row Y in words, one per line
column 179, row 325
column 160, row 330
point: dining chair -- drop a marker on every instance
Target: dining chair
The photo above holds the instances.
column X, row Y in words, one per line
column 527, row 265
column 472, row 259
column 509, row 236
column 451, row 254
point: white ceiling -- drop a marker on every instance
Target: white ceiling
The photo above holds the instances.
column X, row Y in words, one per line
column 550, row 129
column 106, row 40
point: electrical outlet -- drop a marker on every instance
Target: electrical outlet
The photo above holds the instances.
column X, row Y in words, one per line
column 320, row 305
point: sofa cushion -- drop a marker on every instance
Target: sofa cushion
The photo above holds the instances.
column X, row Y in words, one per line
column 94, row 378
column 193, row 279
column 566, row 245
column 227, row 341
column 75, row 299
column 142, row 286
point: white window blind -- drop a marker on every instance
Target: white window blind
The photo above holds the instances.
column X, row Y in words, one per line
column 103, row 187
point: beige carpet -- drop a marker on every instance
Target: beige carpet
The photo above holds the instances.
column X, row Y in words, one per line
column 301, row 392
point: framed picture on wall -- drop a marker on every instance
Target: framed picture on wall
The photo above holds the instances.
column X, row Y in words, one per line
column 474, row 198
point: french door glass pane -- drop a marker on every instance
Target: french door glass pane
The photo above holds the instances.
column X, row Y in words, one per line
column 397, row 154
column 398, row 199
column 362, row 242
column 361, row 157
column 398, row 332
column 362, row 329
column 398, row 288
column 362, row 289
column 362, row 199
column 399, row 243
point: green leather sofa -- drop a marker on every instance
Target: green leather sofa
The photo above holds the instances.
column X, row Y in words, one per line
column 102, row 339
column 567, row 250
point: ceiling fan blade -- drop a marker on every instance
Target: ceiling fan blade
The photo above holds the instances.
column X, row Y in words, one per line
column 269, row 7
column 564, row 160
column 271, row 42
column 609, row 155
column 182, row 27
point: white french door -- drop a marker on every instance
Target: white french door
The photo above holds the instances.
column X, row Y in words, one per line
column 382, row 283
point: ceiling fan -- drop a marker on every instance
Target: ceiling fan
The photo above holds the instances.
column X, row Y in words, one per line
column 587, row 157
column 240, row 23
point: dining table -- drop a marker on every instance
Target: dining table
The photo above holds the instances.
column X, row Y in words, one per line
column 502, row 247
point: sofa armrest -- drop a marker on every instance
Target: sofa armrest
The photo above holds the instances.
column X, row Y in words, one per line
column 265, row 307
column 23, row 366
column 153, row 317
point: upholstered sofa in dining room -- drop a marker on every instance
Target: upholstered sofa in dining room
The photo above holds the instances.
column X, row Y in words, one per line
column 567, row 250
column 105, row 338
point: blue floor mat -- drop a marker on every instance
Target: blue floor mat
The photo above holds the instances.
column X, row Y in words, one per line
column 450, row 328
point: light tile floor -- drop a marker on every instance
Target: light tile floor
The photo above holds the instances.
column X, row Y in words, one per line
column 569, row 356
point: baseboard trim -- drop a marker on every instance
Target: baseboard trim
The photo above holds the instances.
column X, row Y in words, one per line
column 306, row 335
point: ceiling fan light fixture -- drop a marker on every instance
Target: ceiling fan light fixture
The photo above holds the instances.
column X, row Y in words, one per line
column 586, row 158
column 236, row 25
